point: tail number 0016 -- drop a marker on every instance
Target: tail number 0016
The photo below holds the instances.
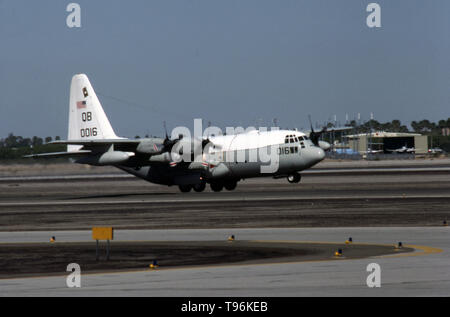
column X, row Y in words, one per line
column 85, row 133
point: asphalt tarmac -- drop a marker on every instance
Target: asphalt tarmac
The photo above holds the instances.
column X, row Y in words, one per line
column 376, row 206
column 40, row 259
column 424, row 272
column 320, row 200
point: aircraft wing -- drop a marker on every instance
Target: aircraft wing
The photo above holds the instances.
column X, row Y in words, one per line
column 339, row 129
column 395, row 150
column 59, row 154
column 98, row 142
column 335, row 129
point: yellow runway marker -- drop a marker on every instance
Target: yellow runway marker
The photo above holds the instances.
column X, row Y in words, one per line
column 424, row 251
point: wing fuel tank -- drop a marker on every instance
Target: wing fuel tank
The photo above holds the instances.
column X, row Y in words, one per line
column 107, row 158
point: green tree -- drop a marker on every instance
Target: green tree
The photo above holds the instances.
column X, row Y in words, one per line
column 36, row 141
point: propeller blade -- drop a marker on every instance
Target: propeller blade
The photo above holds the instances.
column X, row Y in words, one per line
column 207, row 141
column 168, row 143
column 310, row 122
column 315, row 136
column 165, row 129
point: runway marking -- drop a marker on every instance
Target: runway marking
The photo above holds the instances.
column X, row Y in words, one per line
column 316, row 171
column 425, row 251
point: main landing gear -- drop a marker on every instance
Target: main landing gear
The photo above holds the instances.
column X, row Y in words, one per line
column 197, row 187
column 215, row 186
column 219, row 186
column 294, row 178
column 185, row 188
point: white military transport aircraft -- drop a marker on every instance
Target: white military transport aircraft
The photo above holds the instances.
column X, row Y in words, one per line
column 402, row 150
column 224, row 159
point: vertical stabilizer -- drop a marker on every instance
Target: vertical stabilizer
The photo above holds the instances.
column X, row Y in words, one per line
column 87, row 119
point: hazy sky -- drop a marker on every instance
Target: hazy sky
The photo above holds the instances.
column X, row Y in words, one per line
column 231, row 62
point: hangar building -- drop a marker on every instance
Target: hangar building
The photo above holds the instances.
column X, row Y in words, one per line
column 385, row 141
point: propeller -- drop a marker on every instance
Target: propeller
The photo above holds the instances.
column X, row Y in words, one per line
column 315, row 136
column 168, row 143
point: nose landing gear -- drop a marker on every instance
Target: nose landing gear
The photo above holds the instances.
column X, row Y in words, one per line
column 294, row 178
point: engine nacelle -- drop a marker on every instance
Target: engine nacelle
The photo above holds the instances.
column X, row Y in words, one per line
column 165, row 157
column 220, row 170
column 324, row 145
column 151, row 147
column 198, row 166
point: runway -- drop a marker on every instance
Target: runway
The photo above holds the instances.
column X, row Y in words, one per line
column 324, row 200
column 377, row 207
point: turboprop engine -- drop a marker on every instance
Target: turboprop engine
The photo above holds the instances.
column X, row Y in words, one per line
column 324, row 145
column 151, row 147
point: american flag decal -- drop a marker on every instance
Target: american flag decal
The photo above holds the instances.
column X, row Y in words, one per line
column 81, row 104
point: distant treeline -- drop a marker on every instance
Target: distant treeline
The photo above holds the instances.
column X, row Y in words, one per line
column 423, row 127
column 15, row 147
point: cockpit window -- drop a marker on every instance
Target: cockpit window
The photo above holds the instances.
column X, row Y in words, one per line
column 294, row 138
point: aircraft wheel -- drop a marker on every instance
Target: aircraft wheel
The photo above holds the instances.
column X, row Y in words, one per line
column 294, row 178
column 185, row 188
column 216, row 187
column 230, row 185
column 199, row 187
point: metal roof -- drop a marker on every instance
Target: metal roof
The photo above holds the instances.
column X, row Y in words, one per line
column 383, row 134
